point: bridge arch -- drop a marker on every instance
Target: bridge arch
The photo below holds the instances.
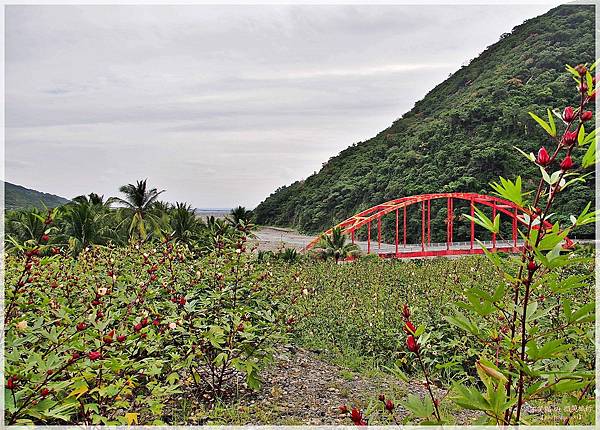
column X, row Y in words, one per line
column 425, row 248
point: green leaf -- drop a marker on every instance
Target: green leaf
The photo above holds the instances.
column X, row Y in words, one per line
column 461, row 321
column 590, row 83
column 589, row 159
column 544, row 124
column 591, row 136
column 419, row 408
column 509, row 190
column 552, row 123
column 581, row 135
column 469, row 398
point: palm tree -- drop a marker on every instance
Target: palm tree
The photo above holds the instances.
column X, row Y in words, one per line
column 335, row 245
column 23, row 226
column 137, row 203
column 184, row 224
column 92, row 199
column 239, row 216
column 83, row 224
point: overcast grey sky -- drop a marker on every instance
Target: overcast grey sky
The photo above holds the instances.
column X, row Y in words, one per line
column 219, row 105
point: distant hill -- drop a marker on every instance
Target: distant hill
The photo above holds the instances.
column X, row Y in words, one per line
column 18, row 197
column 459, row 137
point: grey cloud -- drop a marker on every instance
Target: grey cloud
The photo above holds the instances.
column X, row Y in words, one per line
column 219, row 105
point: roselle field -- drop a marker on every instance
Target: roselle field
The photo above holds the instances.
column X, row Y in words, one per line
column 128, row 334
column 441, row 272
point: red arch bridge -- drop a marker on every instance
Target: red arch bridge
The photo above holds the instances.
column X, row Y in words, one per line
column 401, row 249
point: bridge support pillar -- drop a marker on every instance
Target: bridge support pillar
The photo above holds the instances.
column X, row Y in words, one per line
column 404, row 221
column 369, row 237
column 472, row 223
column 514, row 229
column 423, row 225
column 396, row 231
column 379, row 233
column 428, row 222
column 493, row 219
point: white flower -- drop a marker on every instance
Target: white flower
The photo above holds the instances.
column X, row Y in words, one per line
column 22, row 325
column 172, row 325
column 102, row 291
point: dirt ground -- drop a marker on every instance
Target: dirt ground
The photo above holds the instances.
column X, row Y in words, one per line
column 275, row 238
column 300, row 388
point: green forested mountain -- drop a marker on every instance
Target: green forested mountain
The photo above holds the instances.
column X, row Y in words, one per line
column 459, row 137
column 18, row 197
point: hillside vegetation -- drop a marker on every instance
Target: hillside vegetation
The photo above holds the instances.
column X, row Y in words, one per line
column 18, row 197
column 459, row 137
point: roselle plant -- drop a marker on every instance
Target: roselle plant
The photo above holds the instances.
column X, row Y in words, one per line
column 534, row 338
column 119, row 334
column 535, row 335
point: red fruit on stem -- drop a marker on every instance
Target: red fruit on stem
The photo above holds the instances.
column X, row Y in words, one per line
column 568, row 114
column 405, row 311
column 581, row 69
column 156, row 322
column 44, row 392
column 182, row 301
column 81, row 326
column 567, row 163
column 409, row 328
column 94, row 355
column 137, row 327
column 543, row 158
column 587, row 115
column 121, row 338
column 389, row 405
column 570, row 137
column 381, row 398
column 45, row 238
column 356, row 416
column 344, row 409
column 412, row 344
column 10, row 383
column 531, row 266
column 49, row 372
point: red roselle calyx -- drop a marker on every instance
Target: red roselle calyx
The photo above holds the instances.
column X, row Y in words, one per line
column 94, row 355
column 344, row 409
column 10, row 383
column 412, row 344
column 357, row 417
column 45, row 238
column 531, row 266
column 405, row 312
column 389, row 405
column 543, row 158
column 567, row 163
column 569, row 138
column 81, row 326
column 409, row 328
column 587, row 115
column 568, row 114
column 581, row 69
column 382, row 398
